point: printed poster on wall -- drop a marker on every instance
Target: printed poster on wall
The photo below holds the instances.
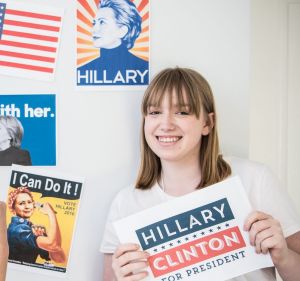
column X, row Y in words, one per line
column 196, row 237
column 28, row 130
column 29, row 39
column 41, row 213
column 112, row 44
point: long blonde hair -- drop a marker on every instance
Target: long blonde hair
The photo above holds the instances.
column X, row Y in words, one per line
column 189, row 86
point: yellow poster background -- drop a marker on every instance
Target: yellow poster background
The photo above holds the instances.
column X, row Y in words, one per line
column 66, row 211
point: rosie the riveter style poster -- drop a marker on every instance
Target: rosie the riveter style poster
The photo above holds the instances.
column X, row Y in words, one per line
column 32, row 118
column 112, row 44
column 41, row 213
column 196, row 237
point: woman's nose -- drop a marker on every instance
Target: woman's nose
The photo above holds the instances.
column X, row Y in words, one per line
column 96, row 26
column 167, row 122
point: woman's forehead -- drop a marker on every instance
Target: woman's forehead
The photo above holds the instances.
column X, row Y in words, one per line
column 172, row 98
column 22, row 196
column 105, row 13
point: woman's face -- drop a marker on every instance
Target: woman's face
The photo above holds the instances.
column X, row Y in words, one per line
column 106, row 32
column 24, row 205
column 4, row 136
column 173, row 133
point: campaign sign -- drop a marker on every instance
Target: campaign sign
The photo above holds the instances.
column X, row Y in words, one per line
column 198, row 236
column 36, row 115
column 112, row 44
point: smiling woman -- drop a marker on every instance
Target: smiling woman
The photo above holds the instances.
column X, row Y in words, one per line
column 180, row 154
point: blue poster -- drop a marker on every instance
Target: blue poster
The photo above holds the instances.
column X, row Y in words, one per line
column 112, row 43
column 28, row 130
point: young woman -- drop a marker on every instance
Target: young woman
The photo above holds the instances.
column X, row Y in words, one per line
column 180, row 153
column 27, row 241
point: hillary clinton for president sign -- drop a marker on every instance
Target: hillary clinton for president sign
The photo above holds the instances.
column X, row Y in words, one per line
column 197, row 236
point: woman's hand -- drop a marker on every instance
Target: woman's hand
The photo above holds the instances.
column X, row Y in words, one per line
column 46, row 209
column 39, row 230
column 129, row 263
column 265, row 235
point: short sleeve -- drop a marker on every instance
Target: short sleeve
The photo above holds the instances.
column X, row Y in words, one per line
column 274, row 200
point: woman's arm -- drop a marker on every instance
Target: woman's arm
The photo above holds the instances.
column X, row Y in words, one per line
column 3, row 242
column 51, row 242
column 266, row 235
column 289, row 268
column 108, row 274
column 128, row 263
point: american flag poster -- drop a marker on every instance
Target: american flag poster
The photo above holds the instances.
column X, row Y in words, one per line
column 29, row 39
column 198, row 236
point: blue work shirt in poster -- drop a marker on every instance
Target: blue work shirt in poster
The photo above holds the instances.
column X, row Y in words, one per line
column 22, row 242
column 114, row 67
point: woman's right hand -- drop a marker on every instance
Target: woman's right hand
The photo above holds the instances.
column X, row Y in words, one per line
column 46, row 209
column 129, row 262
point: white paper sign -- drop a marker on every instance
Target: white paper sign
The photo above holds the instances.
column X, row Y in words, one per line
column 198, row 236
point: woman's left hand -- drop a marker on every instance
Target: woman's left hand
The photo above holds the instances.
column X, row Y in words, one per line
column 265, row 235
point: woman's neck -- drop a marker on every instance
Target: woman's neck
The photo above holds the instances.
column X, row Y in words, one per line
column 178, row 180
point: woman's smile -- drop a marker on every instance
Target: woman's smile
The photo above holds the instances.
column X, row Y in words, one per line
column 168, row 139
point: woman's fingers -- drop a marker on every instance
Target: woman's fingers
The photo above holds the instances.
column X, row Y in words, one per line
column 125, row 248
column 253, row 217
column 131, row 257
column 265, row 234
column 129, row 263
column 136, row 277
column 132, row 268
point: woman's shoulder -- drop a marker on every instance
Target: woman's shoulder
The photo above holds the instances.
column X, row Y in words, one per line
column 244, row 167
column 130, row 199
column 257, row 178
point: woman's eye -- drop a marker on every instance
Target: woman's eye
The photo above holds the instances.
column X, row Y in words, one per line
column 182, row 113
column 93, row 22
column 153, row 112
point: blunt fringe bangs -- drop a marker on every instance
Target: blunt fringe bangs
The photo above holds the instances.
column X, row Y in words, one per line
column 182, row 84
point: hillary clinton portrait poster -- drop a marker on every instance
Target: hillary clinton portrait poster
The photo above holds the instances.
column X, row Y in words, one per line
column 112, row 44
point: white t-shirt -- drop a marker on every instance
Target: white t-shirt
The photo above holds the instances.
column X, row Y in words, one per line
column 264, row 193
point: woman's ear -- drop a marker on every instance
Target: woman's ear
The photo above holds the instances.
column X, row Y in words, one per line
column 123, row 30
column 210, row 123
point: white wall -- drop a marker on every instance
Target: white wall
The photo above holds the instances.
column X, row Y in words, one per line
column 274, row 104
column 98, row 132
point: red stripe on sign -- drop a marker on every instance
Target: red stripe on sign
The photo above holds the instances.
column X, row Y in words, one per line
column 28, row 46
column 196, row 251
column 26, row 56
column 26, row 66
column 31, row 25
column 30, row 35
column 32, row 15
